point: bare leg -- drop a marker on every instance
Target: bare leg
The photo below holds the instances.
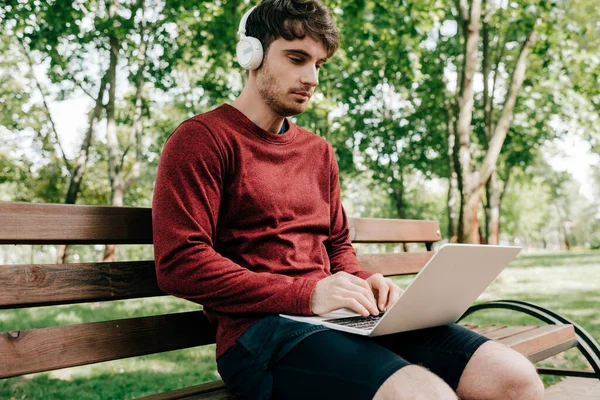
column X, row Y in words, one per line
column 498, row 372
column 415, row 383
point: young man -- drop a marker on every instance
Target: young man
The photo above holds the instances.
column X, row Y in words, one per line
column 248, row 222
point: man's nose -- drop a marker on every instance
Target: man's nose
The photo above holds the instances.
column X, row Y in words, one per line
column 310, row 76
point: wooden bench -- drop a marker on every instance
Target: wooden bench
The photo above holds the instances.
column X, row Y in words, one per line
column 50, row 348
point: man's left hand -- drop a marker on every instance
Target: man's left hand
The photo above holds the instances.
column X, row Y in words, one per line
column 386, row 292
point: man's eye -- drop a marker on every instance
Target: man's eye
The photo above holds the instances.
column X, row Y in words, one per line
column 296, row 60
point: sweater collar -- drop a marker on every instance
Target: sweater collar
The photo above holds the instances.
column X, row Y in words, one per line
column 279, row 138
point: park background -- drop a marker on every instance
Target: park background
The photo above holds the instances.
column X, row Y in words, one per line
column 484, row 121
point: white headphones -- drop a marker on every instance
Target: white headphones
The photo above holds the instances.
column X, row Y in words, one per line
column 249, row 49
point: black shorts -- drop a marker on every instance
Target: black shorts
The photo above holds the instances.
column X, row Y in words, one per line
column 330, row 364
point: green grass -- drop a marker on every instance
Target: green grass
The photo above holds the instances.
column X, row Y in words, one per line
column 567, row 283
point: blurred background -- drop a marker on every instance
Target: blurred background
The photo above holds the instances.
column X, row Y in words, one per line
column 485, row 120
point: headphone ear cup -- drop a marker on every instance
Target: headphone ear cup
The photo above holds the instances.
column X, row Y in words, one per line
column 249, row 52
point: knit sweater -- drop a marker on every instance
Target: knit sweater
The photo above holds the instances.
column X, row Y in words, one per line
column 246, row 222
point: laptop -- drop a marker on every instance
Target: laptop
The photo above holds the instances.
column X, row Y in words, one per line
column 442, row 291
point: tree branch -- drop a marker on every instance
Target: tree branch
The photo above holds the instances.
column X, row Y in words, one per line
column 137, row 130
column 45, row 102
column 495, row 144
column 463, row 9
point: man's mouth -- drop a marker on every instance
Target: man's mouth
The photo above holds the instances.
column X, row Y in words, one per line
column 305, row 95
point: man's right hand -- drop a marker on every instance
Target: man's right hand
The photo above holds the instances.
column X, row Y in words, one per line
column 343, row 290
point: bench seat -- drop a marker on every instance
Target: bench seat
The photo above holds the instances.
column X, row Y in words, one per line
column 535, row 342
column 55, row 347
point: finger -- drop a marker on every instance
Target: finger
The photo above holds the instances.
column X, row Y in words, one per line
column 394, row 294
column 391, row 289
column 355, row 306
column 365, row 301
column 362, row 286
column 383, row 291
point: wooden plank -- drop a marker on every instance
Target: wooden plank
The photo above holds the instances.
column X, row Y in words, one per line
column 509, row 331
column 39, row 284
column 36, row 285
column 389, row 264
column 482, row 330
column 211, row 390
column 36, row 223
column 536, row 340
column 552, row 350
column 46, row 349
column 382, row 230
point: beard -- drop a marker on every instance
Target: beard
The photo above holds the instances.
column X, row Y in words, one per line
column 280, row 102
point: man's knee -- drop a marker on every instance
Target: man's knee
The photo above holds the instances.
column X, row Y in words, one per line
column 414, row 382
column 499, row 372
column 523, row 382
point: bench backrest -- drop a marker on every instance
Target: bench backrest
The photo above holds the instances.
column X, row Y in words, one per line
column 51, row 348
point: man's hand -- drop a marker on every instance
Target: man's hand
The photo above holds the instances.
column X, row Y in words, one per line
column 386, row 291
column 343, row 290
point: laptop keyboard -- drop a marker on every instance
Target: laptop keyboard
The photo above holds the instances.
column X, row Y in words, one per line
column 360, row 322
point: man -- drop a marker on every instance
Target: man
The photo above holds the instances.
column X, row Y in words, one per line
column 248, row 222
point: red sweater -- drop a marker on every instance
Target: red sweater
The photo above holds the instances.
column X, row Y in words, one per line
column 246, row 222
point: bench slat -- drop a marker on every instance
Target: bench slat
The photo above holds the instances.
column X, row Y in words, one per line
column 52, row 284
column 36, row 285
column 37, row 223
column 534, row 341
column 508, row 332
column 553, row 350
column 207, row 391
column 46, row 349
column 382, row 230
column 390, row 264
column 484, row 330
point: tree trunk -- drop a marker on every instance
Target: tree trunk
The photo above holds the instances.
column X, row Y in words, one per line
column 467, row 227
column 473, row 181
column 398, row 193
column 452, row 201
column 493, row 208
column 120, row 182
column 488, row 164
column 112, row 142
column 117, row 201
column 453, row 208
column 81, row 164
column 565, row 230
column 62, row 254
column 469, row 217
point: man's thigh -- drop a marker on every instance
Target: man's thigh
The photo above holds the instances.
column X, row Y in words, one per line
column 444, row 350
column 332, row 364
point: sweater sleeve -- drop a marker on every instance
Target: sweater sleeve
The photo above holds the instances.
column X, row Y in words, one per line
column 185, row 209
column 342, row 255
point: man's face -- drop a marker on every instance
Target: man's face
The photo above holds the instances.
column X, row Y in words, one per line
column 289, row 74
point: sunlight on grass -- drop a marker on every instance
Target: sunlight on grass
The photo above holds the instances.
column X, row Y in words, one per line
column 69, row 318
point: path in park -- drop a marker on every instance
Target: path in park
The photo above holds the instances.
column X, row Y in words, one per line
column 574, row 388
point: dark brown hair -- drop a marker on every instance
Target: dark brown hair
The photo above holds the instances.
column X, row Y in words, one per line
column 293, row 19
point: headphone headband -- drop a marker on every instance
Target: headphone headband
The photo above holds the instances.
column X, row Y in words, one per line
column 249, row 50
column 242, row 28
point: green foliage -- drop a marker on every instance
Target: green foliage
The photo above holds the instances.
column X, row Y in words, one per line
column 383, row 100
